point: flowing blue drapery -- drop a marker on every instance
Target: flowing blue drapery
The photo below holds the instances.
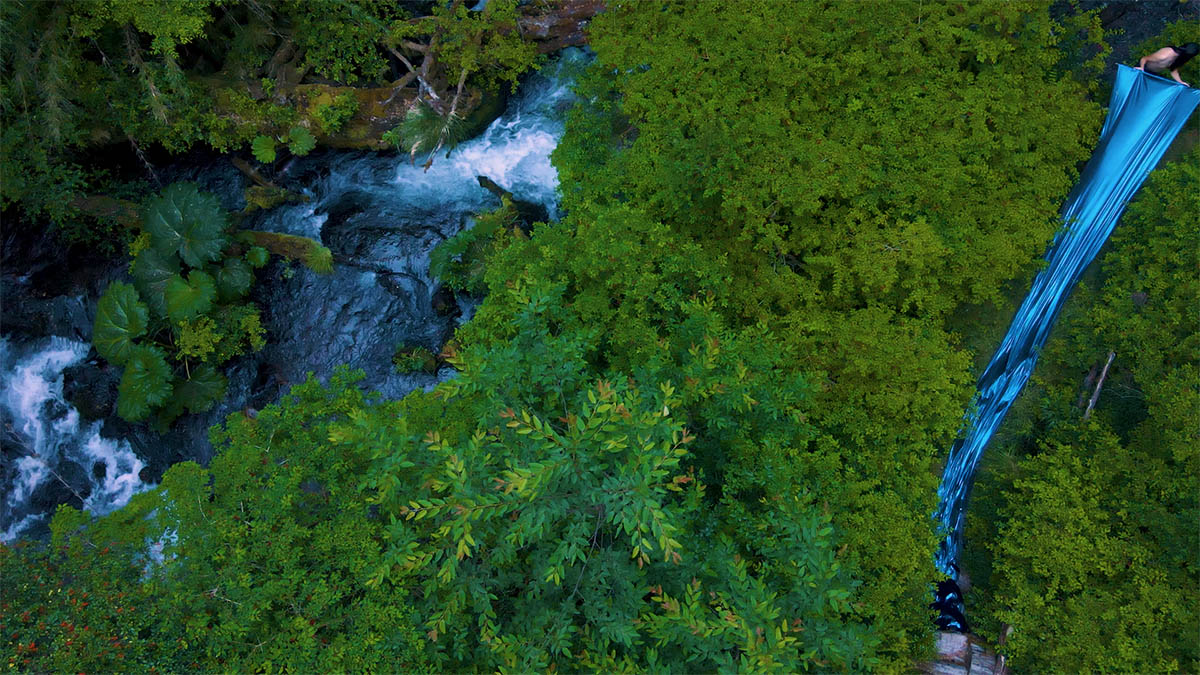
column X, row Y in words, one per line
column 1144, row 115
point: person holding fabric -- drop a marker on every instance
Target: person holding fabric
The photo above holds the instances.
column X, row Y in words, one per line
column 1169, row 59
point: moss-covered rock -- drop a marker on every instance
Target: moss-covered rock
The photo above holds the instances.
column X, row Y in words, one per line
column 268, row 197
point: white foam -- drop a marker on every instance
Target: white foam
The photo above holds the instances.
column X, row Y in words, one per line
column 51, row 433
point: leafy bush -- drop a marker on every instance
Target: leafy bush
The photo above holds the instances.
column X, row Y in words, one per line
column 459, row 260
column 187, row 305
column 332, row 116
column 414, row 359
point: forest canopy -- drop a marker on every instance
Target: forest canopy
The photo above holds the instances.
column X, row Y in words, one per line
column 697, row 423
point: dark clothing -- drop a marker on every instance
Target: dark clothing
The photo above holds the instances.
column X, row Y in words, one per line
column 1181, row 57
column 948, row 601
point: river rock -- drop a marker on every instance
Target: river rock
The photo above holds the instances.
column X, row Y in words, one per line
column 560, row 26
column 963, row 654
column 91, row 387
column 71, row 487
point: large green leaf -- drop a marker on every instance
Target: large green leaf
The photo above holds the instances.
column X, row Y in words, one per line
column 186, row 221
column 234, row 279
column 120, row 317
column 171, row 409
column 263, row 148
column 151, row 271
column 257, row 256
column 145, row 383
column 189, row 299
column 205, row 387
column 301, row 141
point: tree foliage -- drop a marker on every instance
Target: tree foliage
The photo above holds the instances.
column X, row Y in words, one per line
column 1091, row 523
column 850, row 178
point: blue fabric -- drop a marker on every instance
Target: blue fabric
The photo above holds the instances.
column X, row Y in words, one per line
column 1144, row 116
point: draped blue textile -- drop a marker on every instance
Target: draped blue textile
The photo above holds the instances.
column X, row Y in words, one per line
column 1144, row 115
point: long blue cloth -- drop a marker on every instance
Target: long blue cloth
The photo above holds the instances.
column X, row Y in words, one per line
column 1144, row 115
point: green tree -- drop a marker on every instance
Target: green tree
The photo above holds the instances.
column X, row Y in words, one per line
column 1091, row 523
column 847, row 178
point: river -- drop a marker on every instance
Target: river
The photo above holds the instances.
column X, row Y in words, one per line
column 380, row 215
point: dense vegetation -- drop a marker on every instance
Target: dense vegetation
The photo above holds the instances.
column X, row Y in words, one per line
column 173, row 74
column 697, row 423
column 1091, row 523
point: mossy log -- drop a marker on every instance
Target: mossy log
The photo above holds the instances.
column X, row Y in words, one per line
column 308, row 251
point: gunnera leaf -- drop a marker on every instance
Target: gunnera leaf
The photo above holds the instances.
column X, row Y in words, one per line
column 257, row 256
column 151, row 271
column 234, row 279
column 263, row 148
column 186, row 221
column 146, row 383
column 171, row 409
column 120, row 318
column 205, row 387
column 301, row 141
column 188, row 299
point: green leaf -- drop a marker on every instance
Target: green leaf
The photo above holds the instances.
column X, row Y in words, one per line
column 257, row 256
column 234, row 279
column 263, row 148
column 301, row 141
column 191, row 298
column 171, row 409
column 146, row 383
column 120, row 317
column 205, row 387
column 151, row 270
column 186, row 221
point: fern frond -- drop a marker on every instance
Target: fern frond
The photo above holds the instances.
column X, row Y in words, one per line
column 134, row 50
column 426, row 129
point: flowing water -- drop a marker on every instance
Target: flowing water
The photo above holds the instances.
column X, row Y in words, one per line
column 381, row 217
column 57, row 456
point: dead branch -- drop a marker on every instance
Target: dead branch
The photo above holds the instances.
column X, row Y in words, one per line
column 1104, row 373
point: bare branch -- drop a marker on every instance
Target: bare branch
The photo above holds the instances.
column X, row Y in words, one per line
column 462, row 79
column 1096, row 394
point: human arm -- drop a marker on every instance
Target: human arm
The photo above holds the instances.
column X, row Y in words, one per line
column 1175, row 76
column 1142, row 64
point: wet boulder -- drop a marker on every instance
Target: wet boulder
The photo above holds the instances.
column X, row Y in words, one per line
column 68, row 485
column 91, row 389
